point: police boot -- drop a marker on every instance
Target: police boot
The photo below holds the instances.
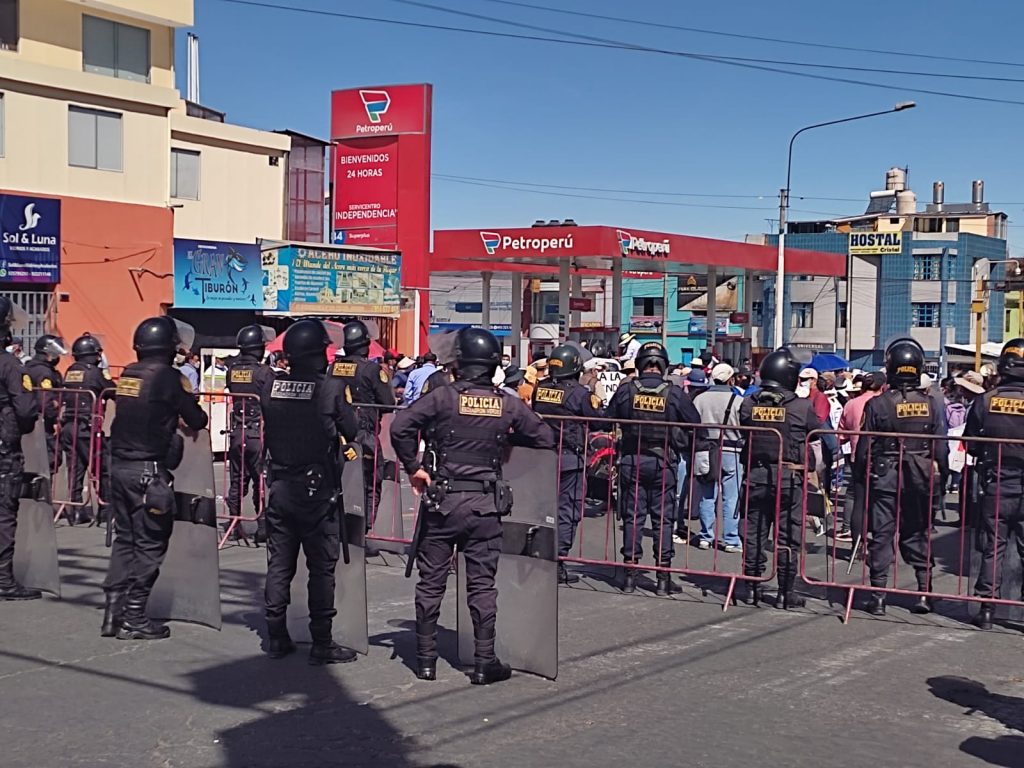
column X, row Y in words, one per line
column 426, row 650
column 788, row 598
column 753, row 594
column 325, row 650
column 260, row 537
column 984, row 618
column 279, row 642
column 666, row 586
column 135, row 624
column 112, row 610
column 628, row 583
column 876, row 604
column 11, row 589
column 924, row 604
column 565, row 577
column 488, row 669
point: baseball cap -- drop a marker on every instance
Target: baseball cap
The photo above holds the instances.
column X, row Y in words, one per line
column 722, row 372
column 808, row 373
column 697, row 378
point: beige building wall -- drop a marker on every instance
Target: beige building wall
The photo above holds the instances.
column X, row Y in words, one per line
column 241, row 192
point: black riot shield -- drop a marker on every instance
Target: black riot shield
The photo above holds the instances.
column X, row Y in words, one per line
column 396, row 501
column 527, row 578
column 35, row 541
column 188, row 588
column 351, row 626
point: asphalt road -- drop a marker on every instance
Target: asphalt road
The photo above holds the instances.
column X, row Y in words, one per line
column 643, row 681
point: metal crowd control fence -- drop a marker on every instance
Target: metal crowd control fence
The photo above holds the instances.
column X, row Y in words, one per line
column 243, row 458
column 605, row 505
column 73, row 456
column 902, row 521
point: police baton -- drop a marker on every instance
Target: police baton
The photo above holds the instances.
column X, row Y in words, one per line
column 414, row 545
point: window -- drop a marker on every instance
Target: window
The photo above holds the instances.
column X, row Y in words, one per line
column 927, row 266
column 1009, row 316
column 648, row 306
column 757, row 313
column 925, row 315
column 115, row 50
column 8, row 25
column 94, row 139
column 952, row 225
column 922, row 224
column 801, row 314
column 184, row 174
column 841, row 310
column 805, row 278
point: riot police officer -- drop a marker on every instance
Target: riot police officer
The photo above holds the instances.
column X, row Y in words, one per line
column 151, row 399
column 42, row 370
column 777, row 407
column 999, row 414
column 563, row 395
column 247, row 375
column 304, row 424
column 370, row 385
column 649, row 455
column 18, row 412
column 902, row 474
column 467, row 426
column 88, row 384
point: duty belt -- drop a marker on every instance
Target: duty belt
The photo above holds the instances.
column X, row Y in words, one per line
column 469, row 486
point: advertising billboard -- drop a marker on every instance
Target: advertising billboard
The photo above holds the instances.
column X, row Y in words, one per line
column 213, row 275
column 331, row 281
column 365, row 191
column 384, row 110
column 29, row 239
column 875, row 243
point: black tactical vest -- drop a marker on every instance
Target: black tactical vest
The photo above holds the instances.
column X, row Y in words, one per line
column 550, row 399
column 294, row 434
column 354, row 373
column 772, row 410
column 472, row 430
column 1003, row 418
column 243, row 379
column 909, row 413
column 647, row 404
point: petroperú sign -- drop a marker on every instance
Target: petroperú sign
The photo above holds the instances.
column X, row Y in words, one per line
column 638, row 246
column 495, row 241
column 379, row 111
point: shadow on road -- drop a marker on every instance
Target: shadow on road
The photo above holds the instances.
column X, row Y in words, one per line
column 973, row 696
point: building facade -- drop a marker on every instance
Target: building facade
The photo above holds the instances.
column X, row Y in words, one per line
column 935, row 261
column 94, row 133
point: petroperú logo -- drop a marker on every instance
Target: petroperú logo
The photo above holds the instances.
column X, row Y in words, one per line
column 639, row 246
column 376, row 104
column 491, row 241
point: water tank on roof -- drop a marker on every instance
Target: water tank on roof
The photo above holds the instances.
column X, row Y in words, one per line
column 906, row 203
column 896, row 179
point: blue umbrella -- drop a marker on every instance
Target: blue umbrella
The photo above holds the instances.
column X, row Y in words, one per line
column 827, row 361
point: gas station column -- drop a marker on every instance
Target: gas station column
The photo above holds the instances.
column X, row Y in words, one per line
column 515, row 334
column 563, row 300
column 712, row 305
column 617, row 294
column 485, row 301
column 575, row 318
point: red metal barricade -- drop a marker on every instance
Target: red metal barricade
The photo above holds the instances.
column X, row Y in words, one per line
column 940, row 561
column 605, row 507
column 71, row 454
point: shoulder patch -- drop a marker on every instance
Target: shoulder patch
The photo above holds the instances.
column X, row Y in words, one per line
column 26, row 382
column 46, row 384
column 292, row 390
column 186, row 384
column 595, row 402
column 129, row 386
column 106, row 374
column 344, row 370
column 348, row 394
column 384, row 376
column 77, row 377
column 425, row 388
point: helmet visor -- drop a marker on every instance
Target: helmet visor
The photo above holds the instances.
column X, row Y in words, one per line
column 269, row 334
column 53, row 347
column 19, row 319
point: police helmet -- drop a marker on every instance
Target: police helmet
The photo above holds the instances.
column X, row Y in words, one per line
column 599, row 348
column 652, row 353
column 565, row 362
column 251, row 339
column 475, row 346
column 306, row 341
column 86, row 345
column 1011, row 359
column 51, row 346
column 155, row 337
column 781, row 369
column 357, row 338
column 904, row 364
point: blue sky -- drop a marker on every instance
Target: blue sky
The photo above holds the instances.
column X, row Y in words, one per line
column 589, row 117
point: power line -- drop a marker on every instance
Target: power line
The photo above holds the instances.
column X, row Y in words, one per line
column 720, row 57
column 759, row 38
column 622, row 46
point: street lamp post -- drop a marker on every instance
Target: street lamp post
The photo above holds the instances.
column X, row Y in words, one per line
column 784, row 206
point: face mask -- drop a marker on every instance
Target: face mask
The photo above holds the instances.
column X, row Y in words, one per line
column 103, row 361
column 803, row 389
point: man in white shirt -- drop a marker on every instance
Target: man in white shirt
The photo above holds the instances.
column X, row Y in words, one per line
column 628, row 347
